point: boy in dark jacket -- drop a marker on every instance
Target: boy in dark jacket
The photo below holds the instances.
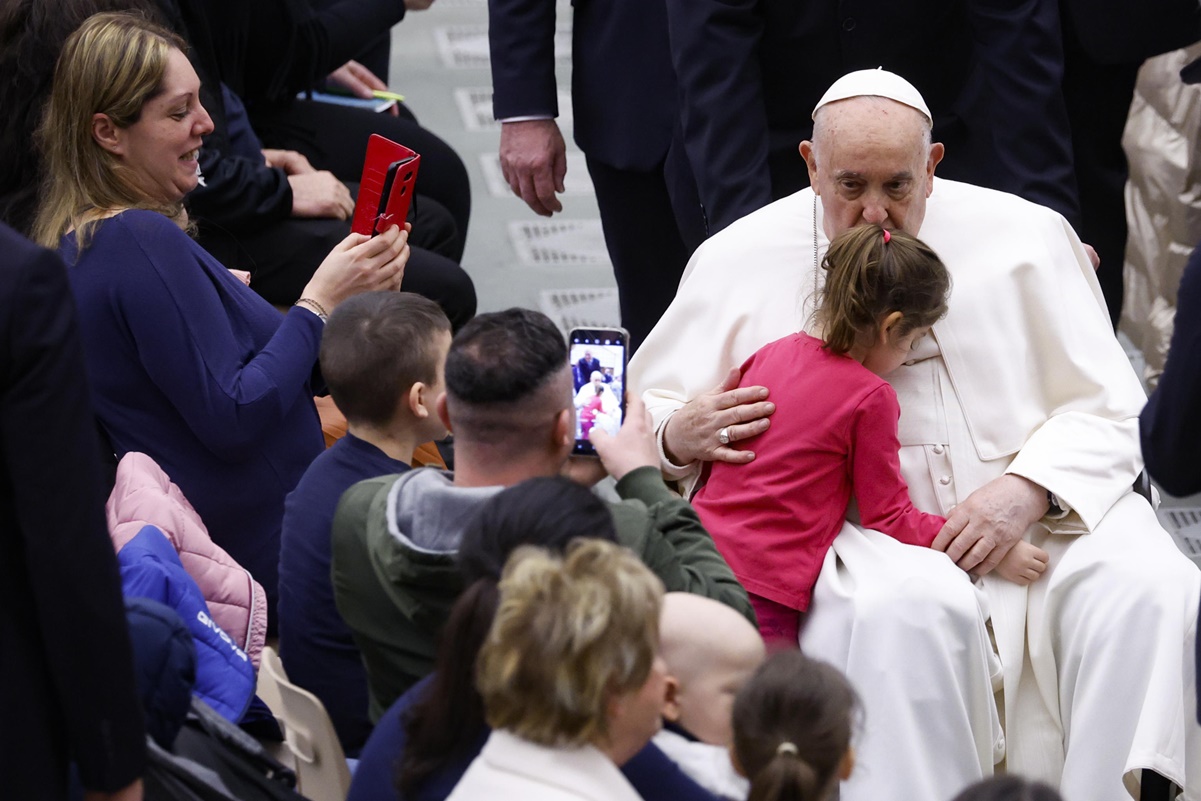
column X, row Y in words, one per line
column 382, row 355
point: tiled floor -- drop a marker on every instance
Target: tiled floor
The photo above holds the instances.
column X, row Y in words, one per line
column 440, row 63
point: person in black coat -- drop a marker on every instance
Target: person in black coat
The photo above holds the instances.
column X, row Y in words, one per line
column 253, row 215
column 751, row 72
column 1170, row 423
column 623, row 95
column 67, row 689
column 1102, row 56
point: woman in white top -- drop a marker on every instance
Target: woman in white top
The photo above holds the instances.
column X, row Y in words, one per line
column 570, row 675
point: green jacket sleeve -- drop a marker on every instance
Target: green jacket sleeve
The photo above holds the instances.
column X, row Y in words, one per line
column 665, row 531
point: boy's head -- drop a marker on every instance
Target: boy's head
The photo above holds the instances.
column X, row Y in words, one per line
column 508, row 384
column 382, row 356
column 710, row 651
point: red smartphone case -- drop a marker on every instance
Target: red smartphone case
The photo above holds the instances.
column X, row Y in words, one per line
column 371, row 216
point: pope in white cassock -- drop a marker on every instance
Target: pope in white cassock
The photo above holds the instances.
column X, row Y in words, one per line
column 1019, row 419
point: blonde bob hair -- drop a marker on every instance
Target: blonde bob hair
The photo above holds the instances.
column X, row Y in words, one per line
column 570, row 634
column 113, row 64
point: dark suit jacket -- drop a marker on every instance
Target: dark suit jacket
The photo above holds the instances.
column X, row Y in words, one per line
column 623, row 89
column 66, row 675
column 1170, row 423
column 1133, row 31
column 751, row 71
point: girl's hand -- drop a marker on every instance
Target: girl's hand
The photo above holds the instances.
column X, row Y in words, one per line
column 1024, row 564
column 360, row 264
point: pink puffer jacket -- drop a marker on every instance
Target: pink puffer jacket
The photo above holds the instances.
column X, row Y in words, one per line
column 143, row 495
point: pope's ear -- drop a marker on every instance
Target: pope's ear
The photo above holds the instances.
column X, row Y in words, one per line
column 107, row 134
column 937, row 151
column 806, row 149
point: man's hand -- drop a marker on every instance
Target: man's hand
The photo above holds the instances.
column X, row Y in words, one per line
column 533, row 158
column 360, row 81
column 291, row 162
column 130, row 792
column 980, row 531
column 692, row 432
column 1093, row 257
column 320, row 194
column 633, row 447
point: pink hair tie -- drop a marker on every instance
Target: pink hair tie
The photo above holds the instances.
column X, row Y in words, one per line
column 887, row 236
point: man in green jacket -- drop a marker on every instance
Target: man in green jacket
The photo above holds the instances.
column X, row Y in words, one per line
column 509, row 403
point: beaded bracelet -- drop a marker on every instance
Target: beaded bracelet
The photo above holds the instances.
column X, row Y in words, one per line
column 314, row 307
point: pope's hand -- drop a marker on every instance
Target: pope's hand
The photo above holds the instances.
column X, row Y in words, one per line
column 980, row 531
column 692, row 433
column 533, row 158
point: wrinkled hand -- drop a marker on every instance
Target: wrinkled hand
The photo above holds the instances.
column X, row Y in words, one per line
column 691, row 433
column 130, row 792
column 360, row 264
column 533, row 159
column 320, row 194
column 980, row 531
column 360, row 81
column 1024, row 564
column 1094, row 258
column 289, row 161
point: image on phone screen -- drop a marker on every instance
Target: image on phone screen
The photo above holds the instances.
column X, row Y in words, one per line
column 598, row 364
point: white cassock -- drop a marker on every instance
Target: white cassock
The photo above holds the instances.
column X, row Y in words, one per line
column 1023, row 376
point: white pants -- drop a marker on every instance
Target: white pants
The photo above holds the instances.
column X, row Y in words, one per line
column 1105, row 685
column 907, row 627
column 1110, row 685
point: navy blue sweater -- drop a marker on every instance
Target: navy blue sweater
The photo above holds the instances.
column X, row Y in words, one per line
column 316, row 646
column 191, row 367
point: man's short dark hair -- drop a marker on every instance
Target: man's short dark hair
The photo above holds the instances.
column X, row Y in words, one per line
column 375, row 347
column 503, row 357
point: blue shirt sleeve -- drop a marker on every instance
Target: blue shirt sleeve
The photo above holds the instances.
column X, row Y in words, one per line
column 184, row 320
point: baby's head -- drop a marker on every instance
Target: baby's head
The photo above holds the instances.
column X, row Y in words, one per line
column 881, row 287
column 1009, row 788
column 793, row 722
column 710, row 651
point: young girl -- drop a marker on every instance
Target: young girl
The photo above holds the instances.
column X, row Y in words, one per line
column 834, row 432
column 792, row 729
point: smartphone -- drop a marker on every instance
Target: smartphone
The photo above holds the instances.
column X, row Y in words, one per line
column 598, row 368
column 386, row 188
column 396, row 195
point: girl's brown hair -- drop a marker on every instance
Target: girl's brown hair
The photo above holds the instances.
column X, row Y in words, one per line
column 792, row 728
column 113, row 64
column 871, row 272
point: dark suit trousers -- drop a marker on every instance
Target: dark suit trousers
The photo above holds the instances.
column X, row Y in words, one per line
column 1098, row 99
column 652, row 222
column 282, row 257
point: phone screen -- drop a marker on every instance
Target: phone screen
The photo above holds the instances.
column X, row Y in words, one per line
column 598, row 368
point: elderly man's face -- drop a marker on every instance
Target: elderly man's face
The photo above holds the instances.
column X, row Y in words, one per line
column 870, row 165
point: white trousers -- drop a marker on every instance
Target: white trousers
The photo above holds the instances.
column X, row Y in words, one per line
column 1106, row 681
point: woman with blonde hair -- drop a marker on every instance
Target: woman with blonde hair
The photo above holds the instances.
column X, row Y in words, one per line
column 570, row 676
column 185, row 362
